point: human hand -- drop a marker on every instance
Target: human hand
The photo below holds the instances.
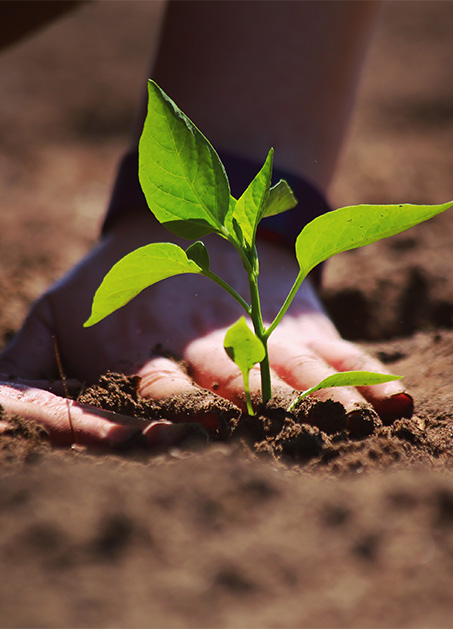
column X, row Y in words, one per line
column 187, row 317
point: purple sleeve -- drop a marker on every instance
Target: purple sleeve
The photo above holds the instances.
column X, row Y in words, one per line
column 283, row 228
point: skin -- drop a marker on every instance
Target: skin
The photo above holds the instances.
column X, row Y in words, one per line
column 242, row 111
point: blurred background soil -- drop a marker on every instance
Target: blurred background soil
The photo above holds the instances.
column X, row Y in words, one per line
column 218, row 538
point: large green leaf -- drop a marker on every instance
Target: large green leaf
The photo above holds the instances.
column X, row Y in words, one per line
column 251, row 205
column 135, row 272
column 181, row 175
column 281, row 198
column 356, row 226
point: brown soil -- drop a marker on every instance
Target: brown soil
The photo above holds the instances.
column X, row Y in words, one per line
column 311, row 520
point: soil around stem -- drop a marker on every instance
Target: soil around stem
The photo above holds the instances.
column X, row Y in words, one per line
column 317, row 436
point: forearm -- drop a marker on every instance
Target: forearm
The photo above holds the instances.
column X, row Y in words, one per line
column 258, row 74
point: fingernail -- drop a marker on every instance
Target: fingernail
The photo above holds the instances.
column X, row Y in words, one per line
column 395, row 407
column 209, row 421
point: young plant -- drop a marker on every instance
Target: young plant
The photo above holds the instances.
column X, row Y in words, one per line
column 187, row 189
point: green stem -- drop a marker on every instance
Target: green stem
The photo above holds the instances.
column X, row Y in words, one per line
column 254, row 312
column 229, row 289
column 257, row 320
column 248, row 399
column 286, row 305
column 232, row 240
column 266, row 386
column 295, row 402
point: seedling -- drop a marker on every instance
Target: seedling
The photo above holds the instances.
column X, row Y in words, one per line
column 187, row 189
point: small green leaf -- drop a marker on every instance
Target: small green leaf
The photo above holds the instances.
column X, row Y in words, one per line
column 245, row 349
column 199, row 254
column 251, row 206
column 281, row 198
column 181, row 175
column 346, row 379
column 243, row 346
column 356, row 226
column 135, row 272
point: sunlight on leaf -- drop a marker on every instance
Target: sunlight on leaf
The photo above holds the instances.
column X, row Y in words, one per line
column 346, row 379
column 135, row 272
column 251, row 205
column 355, row 226
column 243, row 346
column 246, row 350
column 182, row 177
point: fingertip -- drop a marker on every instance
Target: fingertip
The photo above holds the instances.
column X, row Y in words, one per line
column 209, row 421
column 124, row 437
column 399, row 405
column 162, row 378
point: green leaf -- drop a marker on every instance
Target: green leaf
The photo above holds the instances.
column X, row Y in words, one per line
column 181, row 175
column 251, row 206
column 356, row 226
column 199, row 254
column 281, row 198
column 135, row 272
column 346, row 379
column 243, row 346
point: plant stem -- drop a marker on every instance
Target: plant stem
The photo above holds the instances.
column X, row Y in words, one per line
column 257, row 320
column 248, row 399
column 254, row 312
column 229, row 289
column 286, row 305
column 239, row 248
column 266, row 387
column 296, row 401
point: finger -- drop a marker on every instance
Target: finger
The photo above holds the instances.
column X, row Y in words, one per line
column 211, row 368
column 302, row 368
column 163, row 436
column 66, row 387
column 163, row 378
column 66, row 421
column 390, row 399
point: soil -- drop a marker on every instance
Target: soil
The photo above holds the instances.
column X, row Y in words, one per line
column 306, row 520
